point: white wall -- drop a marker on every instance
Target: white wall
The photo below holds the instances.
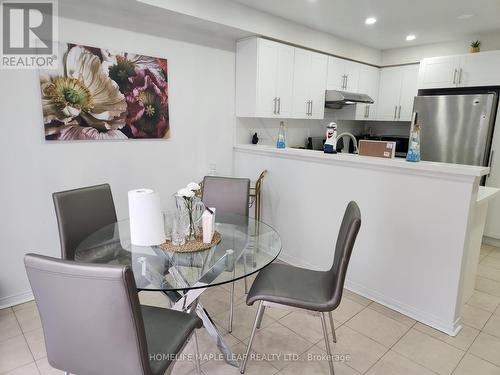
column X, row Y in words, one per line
column 201, row 91
column 490, row 41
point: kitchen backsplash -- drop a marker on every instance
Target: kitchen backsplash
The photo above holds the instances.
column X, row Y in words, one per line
column 297, row 131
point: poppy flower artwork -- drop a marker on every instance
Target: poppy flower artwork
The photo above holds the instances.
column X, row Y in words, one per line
column 99, row 94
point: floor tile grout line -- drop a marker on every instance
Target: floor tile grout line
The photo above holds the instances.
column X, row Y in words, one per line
column 27, row 344
column 390, row 348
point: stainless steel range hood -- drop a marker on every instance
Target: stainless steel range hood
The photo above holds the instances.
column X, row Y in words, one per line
column 338, row 99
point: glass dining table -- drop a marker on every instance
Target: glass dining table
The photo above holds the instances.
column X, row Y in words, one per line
column 247, row 246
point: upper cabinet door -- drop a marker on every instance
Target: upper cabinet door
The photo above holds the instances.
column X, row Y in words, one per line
column 284, row 80
column 389, row 93
column 369, row 80
column 301, row 84
column 480, row 69
column 267, row 69
column 439, row 72
column 336, row 74
column 408, row 92
column 351, row 71
column 317, row 75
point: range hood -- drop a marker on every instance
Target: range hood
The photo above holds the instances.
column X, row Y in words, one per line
column 338, row 99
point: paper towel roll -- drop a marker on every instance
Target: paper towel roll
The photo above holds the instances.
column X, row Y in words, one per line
column 146, row 218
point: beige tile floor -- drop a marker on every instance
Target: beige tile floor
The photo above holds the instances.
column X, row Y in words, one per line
column 373, row 339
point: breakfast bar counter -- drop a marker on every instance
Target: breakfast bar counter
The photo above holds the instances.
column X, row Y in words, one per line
column 419, row 223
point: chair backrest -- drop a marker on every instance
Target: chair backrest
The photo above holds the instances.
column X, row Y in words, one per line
column 90, row 315
column 80, row 212
column 343, row 248
column 228, row 194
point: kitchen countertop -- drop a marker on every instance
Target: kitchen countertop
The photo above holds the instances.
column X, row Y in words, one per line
column 444, row 170
column 486, row 193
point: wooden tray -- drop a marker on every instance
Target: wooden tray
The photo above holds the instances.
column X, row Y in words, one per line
column 192, row 246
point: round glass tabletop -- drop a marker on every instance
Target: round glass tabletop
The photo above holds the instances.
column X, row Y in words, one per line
column 246, row 247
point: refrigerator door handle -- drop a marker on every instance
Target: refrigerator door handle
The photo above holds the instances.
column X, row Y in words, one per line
column 490, row 162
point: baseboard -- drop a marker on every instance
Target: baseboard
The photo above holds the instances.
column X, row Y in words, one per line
column 297, row 262
column 16, row 299
column 491, row 241
column 450, row 328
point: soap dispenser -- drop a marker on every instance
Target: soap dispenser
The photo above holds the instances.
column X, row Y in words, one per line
column 281, row 142
column 330, row 146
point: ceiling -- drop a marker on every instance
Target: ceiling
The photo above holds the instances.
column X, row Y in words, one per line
column 431, row 21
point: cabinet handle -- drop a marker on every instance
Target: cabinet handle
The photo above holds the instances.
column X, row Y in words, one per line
column 279, row 106
column 274, row 100
column 311, row 108
column 346, row 81
column 460, row 76
column 399, row 113
column 368, row 111
column 342, row 81
column 395, row 111
column 307, row 107
column 455, row 76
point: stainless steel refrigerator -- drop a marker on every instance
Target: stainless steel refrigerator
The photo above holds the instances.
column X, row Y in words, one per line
column 456, row 128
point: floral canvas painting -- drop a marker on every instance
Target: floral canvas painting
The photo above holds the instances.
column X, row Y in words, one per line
column 100, row 94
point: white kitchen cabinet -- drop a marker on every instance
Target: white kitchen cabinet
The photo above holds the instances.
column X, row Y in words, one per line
column 264, row 78
column 480, row 69
column 475, row 69
column 309, row 84
column 343, row 75
column 409, row 89
column 438, row 72
column 369, row 78
column 389, row 93
column 398, row 87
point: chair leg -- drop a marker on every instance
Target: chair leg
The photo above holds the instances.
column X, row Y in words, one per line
column 260, row 316
column 231, row 308
column 250, row 340
column 327, row 343
column 334, row 336
column 197, row 354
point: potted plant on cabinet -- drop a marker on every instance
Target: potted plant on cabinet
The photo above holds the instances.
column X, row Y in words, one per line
column 475, row 46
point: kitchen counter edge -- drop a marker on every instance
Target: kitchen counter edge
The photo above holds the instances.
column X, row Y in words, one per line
column 442, row 170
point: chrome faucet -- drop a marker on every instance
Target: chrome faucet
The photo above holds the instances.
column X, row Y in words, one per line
column 354, row 141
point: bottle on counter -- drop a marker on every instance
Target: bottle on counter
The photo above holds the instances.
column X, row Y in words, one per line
column 414, row 144
column 281, row 142
column 330, row 146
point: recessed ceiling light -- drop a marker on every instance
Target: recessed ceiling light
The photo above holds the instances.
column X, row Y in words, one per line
column 465, row 16
column 370, row 20
column 410, row 37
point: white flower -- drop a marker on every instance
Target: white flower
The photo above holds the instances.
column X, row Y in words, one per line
column 193, row 186
column 186, row 193
column 82, row 93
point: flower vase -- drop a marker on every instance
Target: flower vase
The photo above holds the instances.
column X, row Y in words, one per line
column 193, row 208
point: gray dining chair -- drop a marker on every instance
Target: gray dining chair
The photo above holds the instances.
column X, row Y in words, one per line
column 313, row 292
column 229, row 195
column 93, row 323
column 81, row 212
